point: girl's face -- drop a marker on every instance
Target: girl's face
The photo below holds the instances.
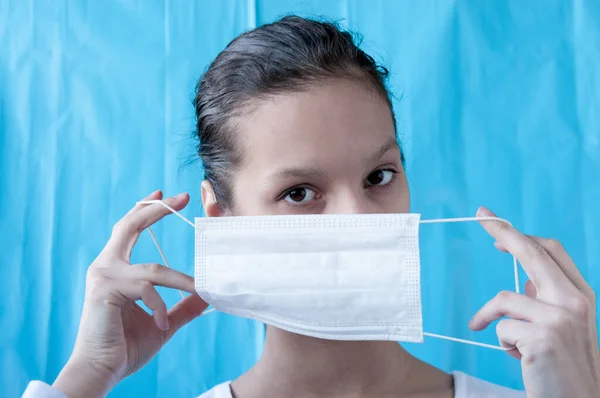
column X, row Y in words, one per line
column 329, row 149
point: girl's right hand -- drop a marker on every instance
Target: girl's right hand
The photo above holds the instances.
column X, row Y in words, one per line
column 116, row 336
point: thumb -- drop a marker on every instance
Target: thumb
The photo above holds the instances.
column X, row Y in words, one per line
column 184, row 312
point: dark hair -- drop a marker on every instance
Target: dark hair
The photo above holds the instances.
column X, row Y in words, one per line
column 290, row 54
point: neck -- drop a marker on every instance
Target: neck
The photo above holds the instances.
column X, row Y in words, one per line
column 293, row 365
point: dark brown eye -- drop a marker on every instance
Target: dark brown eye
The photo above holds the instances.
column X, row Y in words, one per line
column 380, row 177
column 299, row 196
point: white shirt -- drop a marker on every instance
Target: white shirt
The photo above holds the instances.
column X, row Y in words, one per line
column 465, row 386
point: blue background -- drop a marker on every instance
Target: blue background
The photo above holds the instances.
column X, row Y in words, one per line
column 497, row 105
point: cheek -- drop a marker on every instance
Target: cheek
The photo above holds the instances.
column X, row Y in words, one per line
column 396, row 199
column 398, row 203
column 404, row 203
column 404, row 200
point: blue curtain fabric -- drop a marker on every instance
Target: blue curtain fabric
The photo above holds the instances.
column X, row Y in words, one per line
column 497, row 105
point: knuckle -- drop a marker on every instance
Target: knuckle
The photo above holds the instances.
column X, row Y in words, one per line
column 146, row 287
column 95, row 272
column 121, row 228
column 124, row 227
column 536, row 250
column 118, row 227
column 560, row 319
column 504, row 295
column 580, row 306
column 502, row 227
column 529, row 358
column 554, row 245
column 592, row 295
column 154, row 268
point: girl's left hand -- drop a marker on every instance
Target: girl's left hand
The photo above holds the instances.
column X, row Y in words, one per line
column 553, row 326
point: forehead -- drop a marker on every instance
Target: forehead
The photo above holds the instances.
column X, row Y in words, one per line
column 324, row 125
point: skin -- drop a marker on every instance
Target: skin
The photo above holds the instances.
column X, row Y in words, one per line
column 329, row 149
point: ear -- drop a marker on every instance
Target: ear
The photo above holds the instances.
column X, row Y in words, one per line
column 209, row 200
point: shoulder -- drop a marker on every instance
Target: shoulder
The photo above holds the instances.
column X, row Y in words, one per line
column 466, row 386
column 220, row 391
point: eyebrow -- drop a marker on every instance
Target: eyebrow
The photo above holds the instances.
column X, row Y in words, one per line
column 311, row 173
column 299, row 172
column 391, row 144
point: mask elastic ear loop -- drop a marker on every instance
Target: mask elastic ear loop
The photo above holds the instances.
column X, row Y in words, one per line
column 172, row 210
column 515, row 268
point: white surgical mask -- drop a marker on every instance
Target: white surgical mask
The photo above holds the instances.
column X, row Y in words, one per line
column 336, row 277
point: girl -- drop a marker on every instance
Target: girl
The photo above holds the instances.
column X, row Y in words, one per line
column 293, row 118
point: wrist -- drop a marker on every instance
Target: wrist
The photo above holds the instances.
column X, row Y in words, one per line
column 81, row 378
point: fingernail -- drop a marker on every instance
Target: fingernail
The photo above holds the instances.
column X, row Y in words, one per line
column 163, row 323
column 180, row 196
column 484, row 212
column 153, row 193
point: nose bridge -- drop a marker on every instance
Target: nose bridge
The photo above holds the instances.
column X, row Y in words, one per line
column 348, row 201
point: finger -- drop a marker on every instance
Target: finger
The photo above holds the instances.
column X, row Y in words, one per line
column 561, row 258
column 185, row 311
column 156, row 195
column 156, row 274
column 510, row 304
column 119, row 226
column 511, row 333
column 564, row 261
column 530, row 290
column 127, row 231
column 151, row 213
column 574, row 276
column 145, row 291
column 536, row 262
